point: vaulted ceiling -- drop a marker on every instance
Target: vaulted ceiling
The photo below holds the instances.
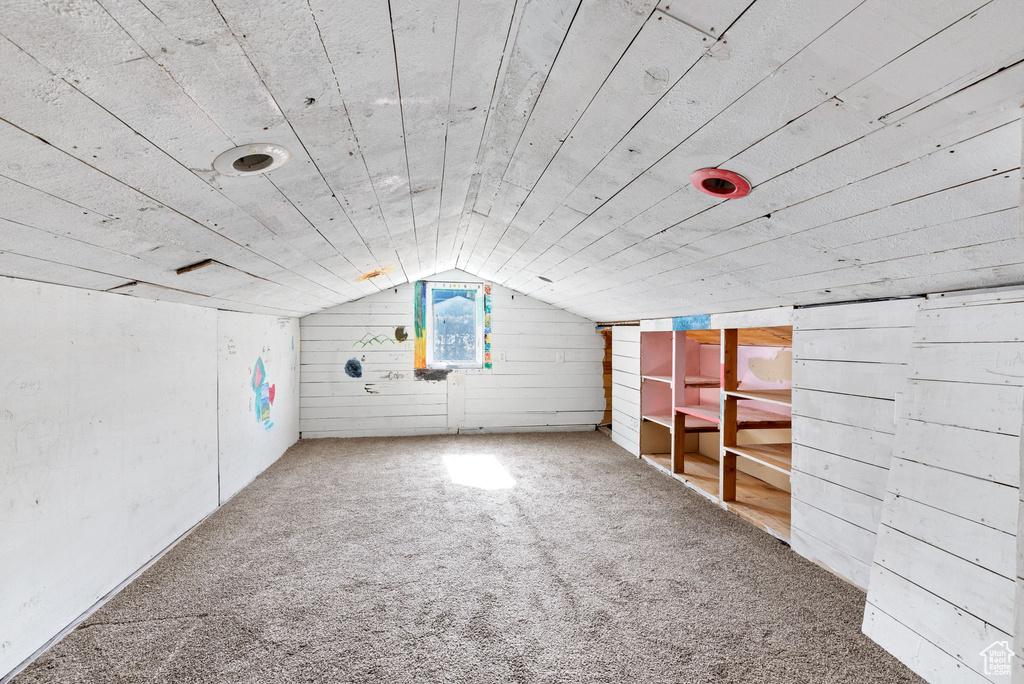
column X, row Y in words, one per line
column 543, row 144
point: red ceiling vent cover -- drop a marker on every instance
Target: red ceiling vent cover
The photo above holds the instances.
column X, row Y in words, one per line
column 720, row 183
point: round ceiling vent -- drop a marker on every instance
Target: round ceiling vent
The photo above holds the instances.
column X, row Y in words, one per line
column 720, row 183
column 252, row 160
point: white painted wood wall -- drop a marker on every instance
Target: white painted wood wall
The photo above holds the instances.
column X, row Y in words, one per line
column 849, row 363
column 247, row 447
column 944, row 571
column 626, row 387
column 547, row 371
column 109, row 442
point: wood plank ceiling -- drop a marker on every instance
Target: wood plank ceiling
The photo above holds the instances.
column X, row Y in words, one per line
column 542, row 144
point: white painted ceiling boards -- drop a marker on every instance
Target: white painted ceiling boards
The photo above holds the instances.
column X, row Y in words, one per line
column 514, row 139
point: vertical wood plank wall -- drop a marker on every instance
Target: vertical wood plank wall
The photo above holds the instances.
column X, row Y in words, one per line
column 109, row 448
column 848, row 366
column 546, row 371
column 626, row 387
column 943, row 579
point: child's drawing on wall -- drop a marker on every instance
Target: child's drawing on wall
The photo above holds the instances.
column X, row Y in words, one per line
column 264, row 394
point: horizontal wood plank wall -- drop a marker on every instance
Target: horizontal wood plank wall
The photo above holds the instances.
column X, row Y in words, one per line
column 848, row 365
column 943, row 578
column 546, row 375
column 626, row 387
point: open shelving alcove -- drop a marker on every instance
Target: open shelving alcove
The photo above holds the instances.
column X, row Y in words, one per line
column 715, row 415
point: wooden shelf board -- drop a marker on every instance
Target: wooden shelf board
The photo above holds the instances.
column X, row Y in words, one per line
column 702, row 381
column 695, row 424
column 706, row 412
column 659, row 378
column 701, row 475
column 757, row 502
column 776, row 456
column 781, row 336
column 660, row 461
column 660, row 419
column 783, row 397
column 747, row 418
column 762, row 505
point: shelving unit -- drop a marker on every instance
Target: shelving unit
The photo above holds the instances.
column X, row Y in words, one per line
column 681, row 398
column 656, row 418
column 764, row 505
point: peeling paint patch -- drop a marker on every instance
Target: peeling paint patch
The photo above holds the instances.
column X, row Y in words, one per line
column 376, row 273
column 432, row 374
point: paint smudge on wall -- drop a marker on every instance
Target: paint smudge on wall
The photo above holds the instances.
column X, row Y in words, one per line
column 432, row 374
column 353, row 368
column 265, row 393
column 400, row 334
column 370, row 339
column 376, row 273
column 779, row 368
column 370, row 389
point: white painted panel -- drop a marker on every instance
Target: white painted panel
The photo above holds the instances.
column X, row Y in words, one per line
column 826, row 555
column 248, row 442
column 988, row 503
column 847, row 409
column 892, row 314
column 947, row 626
column 108, row 447
column 873, row 380
column 944, row 565
column 862, row 477
column 854, row 541
column 849, row 364
column 973, row 588
column 875, row 345
column 626, row 387
column 935, row 665
column 860, row 444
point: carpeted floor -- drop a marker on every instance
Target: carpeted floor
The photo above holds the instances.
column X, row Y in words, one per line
column 362, row 561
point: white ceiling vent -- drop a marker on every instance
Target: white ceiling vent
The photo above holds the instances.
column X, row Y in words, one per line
column 252, row 159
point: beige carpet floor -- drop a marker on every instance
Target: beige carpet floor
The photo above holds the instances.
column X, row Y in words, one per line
column 363, row 561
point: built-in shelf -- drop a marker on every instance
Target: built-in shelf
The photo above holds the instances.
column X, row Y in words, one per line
column 706, row 412
column 747, row 418
column 692, row 423
column 674, row 369
column 661, row 419
column 775, row 456
column 701, row 475
column 757, row 502
column 783, row 397
column 662, row 462
column 695, row 424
